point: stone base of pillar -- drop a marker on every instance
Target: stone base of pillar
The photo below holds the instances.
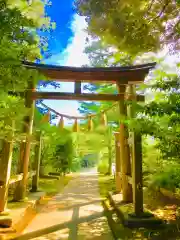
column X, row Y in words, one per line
column 5, row 221
column 6, row 212
column 25, row 199
column 145, row 220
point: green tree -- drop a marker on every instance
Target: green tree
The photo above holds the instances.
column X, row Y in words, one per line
column 62, row 159
column 20, row 41
column 53, row 140
column 162, row 115
column 134, row 26
column 19, row 23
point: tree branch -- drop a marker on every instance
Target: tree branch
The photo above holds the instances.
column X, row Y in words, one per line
column 150, row 6
column 162, row 10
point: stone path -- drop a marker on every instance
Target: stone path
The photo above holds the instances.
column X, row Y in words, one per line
column 79, row 205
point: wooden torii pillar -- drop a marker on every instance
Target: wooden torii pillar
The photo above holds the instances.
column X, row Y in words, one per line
column 137, row 176
column 124, row 146
column 20, row 191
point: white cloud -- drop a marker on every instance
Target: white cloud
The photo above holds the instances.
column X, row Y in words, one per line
column 73, row 55
column 74, row 52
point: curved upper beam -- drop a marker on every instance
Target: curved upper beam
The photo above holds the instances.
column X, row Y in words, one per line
column 123, row 75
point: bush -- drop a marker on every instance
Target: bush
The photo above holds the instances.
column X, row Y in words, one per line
column 169, row 178
column 103, row 167
column 152, row 162
column 76, row 164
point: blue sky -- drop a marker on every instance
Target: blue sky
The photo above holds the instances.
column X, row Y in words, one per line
column 66, row 42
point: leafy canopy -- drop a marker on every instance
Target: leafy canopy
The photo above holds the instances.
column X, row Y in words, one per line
column 133, row 26
column 19, row 23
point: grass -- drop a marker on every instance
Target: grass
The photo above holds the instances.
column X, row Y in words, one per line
column 49, row 186
column 53, row 186
column 106, row 184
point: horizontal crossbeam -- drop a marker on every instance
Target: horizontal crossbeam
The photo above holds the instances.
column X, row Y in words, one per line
column 83, row 96
column 123, row 75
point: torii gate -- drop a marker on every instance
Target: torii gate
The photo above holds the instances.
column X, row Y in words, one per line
column 125, row 78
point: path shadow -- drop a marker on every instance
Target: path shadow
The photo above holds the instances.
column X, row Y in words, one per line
column 57, row 227
column 91, row 218
column 61, row 207
column 73, row 233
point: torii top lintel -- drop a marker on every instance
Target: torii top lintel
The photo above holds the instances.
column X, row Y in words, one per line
column 123, row 75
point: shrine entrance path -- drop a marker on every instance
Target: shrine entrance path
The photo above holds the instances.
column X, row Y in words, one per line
column 80, row 205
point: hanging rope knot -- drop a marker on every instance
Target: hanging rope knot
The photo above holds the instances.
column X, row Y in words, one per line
column 61, row 123
column 90, row 123
column 103, row 119
column 75, row 126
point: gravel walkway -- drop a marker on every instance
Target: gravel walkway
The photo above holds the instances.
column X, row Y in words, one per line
column 74, row 214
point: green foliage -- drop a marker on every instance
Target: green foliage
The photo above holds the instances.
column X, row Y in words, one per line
column 104, row 55
column 76, row 164
column 19, row 22
column 53, row 139
column 52, row 186
column 62, row 158
column 11, row 117
column 103, row 166
column 106, row 185
column 57, row 146
column 19, row 41
column 169, row 178
column 134, row 26
column 160, row 117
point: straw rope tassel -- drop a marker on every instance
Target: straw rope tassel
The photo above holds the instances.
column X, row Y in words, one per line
column 90, row 123
column 75, row 126
column 61, row 123
column 46, row 117
column 103, row 119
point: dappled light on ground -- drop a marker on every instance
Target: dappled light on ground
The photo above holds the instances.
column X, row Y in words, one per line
column 79, row 205
column 96, row 228
column 162, row 206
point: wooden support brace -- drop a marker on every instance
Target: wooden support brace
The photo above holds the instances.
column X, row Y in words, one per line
column 110, row 157
column 36, row 165
column 118, row 163
column 5, row 171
